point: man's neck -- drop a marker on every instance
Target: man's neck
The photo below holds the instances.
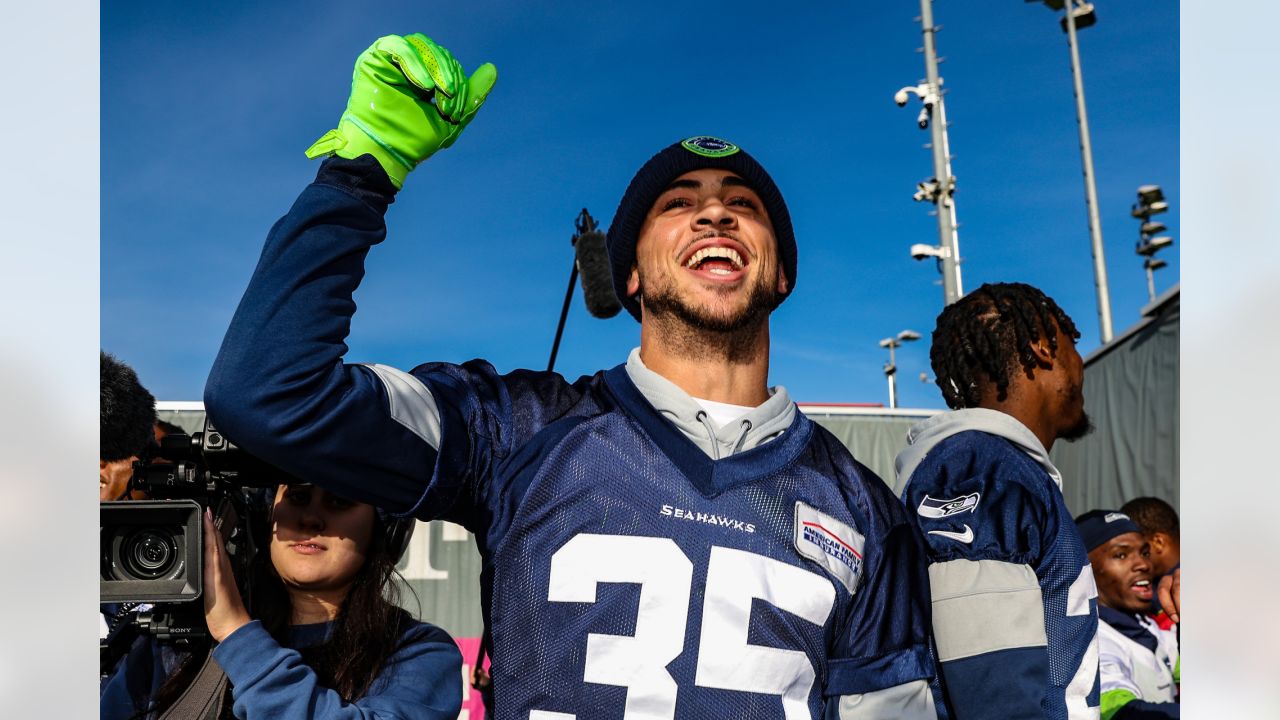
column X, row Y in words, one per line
column 1027, row 407
column 735, row 371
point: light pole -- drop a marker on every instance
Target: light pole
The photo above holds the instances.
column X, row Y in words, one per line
column 939, row 189
column 1151, row 202
column 891, row 368
column 1079, row 15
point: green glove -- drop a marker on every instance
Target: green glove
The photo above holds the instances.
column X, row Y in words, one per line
column 390, row 113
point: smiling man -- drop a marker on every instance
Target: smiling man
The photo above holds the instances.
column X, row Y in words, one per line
column 668, row 538
column 1014, row 613
column 1140, row 664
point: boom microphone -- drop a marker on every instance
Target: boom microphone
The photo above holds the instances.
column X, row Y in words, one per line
column 596, row 275
column 128, row 412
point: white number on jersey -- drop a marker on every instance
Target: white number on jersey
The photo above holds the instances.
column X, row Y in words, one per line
column 665, row 576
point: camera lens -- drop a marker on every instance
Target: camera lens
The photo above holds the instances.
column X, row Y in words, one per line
column 149, row 553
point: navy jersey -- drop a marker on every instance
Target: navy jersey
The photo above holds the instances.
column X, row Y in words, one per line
column 1014, row 601
column 626, row 574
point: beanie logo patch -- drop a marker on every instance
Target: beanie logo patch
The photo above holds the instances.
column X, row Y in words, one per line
column 708, row 146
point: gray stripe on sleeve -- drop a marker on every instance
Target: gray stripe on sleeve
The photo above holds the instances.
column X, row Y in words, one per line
column 908, row 701
column 410, row 403
column 981, row 606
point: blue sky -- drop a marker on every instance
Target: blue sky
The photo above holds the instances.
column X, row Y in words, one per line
column 206, row 111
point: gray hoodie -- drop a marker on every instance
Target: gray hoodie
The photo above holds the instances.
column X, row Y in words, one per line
column 924, row 435
column 762, row 424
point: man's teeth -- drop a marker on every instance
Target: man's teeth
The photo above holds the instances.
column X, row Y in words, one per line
column 719, row 253
column 1143, row 583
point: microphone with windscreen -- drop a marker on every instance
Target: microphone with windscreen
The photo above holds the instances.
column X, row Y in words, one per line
column 591, row 260
column 596, row 275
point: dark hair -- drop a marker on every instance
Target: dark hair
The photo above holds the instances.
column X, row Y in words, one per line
column 367, row 631
column 127, row 411
column 987, row 333
column 1152, row 515
column 170, row 428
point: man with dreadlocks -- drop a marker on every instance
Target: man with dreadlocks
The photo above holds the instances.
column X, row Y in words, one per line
column 1014, row 609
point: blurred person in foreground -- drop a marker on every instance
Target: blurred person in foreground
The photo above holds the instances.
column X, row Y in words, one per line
column 668, row 538
column 1014, row 614
column 128, row 416
column 1140, row 664
column 326, row 638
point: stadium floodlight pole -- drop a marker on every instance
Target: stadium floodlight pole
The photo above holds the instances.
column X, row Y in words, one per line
column 1079, row 15
column 891, row 367
column 939, row 189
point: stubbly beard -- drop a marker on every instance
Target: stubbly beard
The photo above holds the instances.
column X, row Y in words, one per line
column 695, row 332
column 1083, row 426
column 1079, row 430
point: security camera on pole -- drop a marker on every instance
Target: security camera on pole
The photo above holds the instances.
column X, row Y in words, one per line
column 1151, row 202
column 939, row 189
column 891, row 367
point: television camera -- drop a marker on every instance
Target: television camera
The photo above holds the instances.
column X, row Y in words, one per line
column 152, row 551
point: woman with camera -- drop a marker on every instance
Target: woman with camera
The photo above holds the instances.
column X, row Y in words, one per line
column 328, row 639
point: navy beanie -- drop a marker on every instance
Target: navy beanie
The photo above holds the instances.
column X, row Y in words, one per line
column 1099, row 526
column 695, row 153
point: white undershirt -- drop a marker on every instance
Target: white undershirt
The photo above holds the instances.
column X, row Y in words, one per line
column 722, row 413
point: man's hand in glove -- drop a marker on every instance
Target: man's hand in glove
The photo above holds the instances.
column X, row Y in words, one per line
column 409, row 98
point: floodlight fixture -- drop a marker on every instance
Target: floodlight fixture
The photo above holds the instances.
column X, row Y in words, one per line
column 1153, row 245
column 1148, row 194
column 1083, row 14
column 891, row 367
column 1146, row 210
column 1150, row 202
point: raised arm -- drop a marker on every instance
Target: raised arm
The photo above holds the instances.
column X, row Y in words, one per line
column 279, row 387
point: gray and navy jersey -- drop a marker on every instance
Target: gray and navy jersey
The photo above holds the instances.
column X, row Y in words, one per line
column 1014, row 602
column 625, row 573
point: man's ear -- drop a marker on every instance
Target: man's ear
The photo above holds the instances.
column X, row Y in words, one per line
column 1159, row 542
column 783, row 286
column 1043, row 353
column 633, row 281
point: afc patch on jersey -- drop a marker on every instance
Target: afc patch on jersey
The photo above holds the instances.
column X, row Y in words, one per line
column 830, row 543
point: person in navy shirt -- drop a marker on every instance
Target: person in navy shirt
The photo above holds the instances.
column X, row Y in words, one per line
column 1014, row 603
column 668, row 538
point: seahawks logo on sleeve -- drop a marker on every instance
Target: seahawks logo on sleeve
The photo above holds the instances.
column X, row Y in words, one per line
column 933, row 508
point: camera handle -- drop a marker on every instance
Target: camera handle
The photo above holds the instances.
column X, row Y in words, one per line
column 177, row 624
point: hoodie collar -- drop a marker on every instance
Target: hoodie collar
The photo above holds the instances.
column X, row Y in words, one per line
column 758, row 426
column 924, row 435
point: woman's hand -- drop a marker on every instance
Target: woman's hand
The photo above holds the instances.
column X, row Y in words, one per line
column 223, row 609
